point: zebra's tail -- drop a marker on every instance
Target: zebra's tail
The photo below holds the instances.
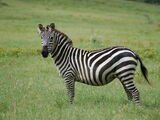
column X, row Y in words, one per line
column 143, row 69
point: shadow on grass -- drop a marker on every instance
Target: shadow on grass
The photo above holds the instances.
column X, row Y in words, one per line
column 3, row 4
column 102, row 100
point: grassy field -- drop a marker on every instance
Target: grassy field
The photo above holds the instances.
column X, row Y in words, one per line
column 30, row 87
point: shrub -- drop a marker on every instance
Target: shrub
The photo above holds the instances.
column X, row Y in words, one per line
column 19, row 51
column 149, row 1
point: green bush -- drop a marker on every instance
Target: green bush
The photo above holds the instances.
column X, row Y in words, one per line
column 153, row 1
column 149, row 1
column 19, row 51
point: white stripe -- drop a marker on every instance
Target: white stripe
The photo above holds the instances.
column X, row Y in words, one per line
column 129, row 85
column 85, row 69
column 76, row 56
column 72, row 58
column 123, row 74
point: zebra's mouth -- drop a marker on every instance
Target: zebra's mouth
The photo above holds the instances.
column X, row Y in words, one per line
column 44, row 52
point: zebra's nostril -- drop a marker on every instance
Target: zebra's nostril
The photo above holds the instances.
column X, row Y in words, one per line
column 44, row 52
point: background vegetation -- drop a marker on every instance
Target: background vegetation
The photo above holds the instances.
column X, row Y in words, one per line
column 149, row 1
column 30, row 87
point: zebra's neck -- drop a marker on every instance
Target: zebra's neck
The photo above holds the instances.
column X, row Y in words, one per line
column 61, row 55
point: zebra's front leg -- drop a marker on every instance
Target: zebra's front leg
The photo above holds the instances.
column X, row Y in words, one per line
column 70, row 84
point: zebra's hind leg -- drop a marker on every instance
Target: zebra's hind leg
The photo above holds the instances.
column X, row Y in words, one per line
column 131, row 91
column 129, row 95
column 70, row 84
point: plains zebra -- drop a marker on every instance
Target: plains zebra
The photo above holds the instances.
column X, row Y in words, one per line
column 97, row 68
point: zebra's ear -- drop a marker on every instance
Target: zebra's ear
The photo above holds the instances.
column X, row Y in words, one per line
column 52, row 26
column 40, row 28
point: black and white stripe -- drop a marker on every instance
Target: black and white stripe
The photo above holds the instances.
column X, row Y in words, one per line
column 97, row 68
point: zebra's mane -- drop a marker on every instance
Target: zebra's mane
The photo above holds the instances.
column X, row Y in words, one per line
column 57, row 31
column 61, row 33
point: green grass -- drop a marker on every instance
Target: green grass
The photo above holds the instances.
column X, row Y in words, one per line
column 30, row 87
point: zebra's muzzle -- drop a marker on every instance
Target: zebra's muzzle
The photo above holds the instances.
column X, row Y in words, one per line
column 45, row 52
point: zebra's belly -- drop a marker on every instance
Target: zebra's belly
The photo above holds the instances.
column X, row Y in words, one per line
column 96, row 82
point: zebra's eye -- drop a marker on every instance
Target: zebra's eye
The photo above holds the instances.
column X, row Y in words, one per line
column 51, row 39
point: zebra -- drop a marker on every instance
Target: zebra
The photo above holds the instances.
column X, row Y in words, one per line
column 94, row 67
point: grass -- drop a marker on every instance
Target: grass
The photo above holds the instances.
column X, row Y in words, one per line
column 30, row 87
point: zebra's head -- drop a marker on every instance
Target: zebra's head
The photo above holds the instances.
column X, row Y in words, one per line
column 47, row 36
